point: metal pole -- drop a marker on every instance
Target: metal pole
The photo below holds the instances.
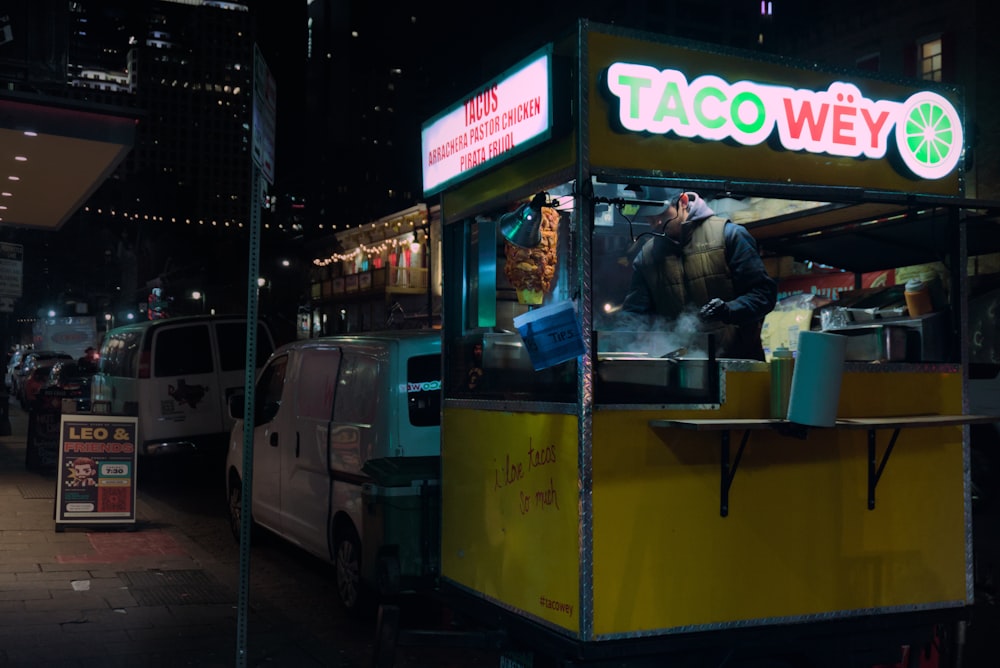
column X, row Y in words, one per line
column 253, row 270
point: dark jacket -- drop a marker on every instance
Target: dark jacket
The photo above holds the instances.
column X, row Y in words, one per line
column 715, row 258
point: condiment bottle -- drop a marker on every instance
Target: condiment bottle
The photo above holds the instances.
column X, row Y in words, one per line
column 918, row 298
column 782, row 365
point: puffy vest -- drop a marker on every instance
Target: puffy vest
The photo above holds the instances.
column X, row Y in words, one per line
column 687, row 276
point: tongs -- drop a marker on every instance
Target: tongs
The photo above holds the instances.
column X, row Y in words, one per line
column 675, row 355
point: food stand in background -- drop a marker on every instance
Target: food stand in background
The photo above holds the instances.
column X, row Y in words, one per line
column 593, row 502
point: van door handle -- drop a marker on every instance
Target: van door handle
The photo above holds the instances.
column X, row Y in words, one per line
column 274, row 439
column 297, row 444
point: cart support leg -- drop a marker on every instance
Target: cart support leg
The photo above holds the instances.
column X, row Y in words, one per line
column 728, row 472
column 386, row 633
column 875, row 471
column 959, row 645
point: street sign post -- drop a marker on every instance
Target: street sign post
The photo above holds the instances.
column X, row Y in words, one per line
column 264, row 111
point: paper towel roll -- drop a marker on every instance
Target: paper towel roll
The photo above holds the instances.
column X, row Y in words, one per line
column 819, row 368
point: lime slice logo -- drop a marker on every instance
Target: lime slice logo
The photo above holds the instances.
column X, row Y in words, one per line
column 929, row 135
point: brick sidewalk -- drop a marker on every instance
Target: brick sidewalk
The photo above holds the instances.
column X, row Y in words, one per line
column 144, row 596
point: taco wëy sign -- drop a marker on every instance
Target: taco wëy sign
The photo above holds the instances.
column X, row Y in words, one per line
column 840, row 120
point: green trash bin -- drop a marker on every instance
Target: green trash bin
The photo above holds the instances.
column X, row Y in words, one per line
column 402, row 505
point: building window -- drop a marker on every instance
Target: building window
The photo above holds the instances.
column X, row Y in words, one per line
column 929, row 57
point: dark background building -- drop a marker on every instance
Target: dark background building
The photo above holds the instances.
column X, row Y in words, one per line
column 175, row 213
column 947, row 42
column 355, row 82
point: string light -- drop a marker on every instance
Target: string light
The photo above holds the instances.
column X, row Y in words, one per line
column 391, row 225
column 370, row 250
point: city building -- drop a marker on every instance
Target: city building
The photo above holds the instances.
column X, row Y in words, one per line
column 376, row 73
column 387, row 276
column 183, row 71
column 950, row 43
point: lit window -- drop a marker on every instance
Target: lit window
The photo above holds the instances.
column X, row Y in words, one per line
column 930, row 59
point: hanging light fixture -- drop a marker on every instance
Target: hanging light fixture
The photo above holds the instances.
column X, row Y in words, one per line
column 523, row 226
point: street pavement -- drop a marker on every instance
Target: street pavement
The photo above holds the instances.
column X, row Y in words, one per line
column 165, row 591
column 152, row 595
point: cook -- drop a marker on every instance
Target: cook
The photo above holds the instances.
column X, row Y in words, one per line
column 695, row 260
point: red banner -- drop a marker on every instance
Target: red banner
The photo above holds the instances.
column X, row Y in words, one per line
column 832, row 284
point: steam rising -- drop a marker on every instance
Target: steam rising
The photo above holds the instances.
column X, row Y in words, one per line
column 651, row 336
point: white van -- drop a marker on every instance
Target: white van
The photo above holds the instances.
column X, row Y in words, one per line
column 346, row 448
column 176, row 375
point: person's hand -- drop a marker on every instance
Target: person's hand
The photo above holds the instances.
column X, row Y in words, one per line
column 715, row 310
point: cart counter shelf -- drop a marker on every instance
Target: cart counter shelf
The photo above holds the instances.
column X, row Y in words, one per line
column 876, row 466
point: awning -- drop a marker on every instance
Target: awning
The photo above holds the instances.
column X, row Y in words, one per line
column 54, row 154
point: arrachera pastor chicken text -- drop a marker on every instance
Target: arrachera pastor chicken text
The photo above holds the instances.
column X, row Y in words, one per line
column 488, row 128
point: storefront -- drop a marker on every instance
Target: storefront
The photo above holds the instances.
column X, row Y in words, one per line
column 592, row 494
column 384, row 274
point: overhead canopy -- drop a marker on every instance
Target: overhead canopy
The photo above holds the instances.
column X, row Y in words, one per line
column 857, row 230
column 860, row 237
column 53, row 155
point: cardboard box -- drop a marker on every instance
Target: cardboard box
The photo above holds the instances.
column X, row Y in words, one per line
column 779, row 266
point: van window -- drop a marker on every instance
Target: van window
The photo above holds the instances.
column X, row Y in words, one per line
column 356, row 400
column 423, row 390
column 268, row 390
column 182, row 351
column 318, row 379
column 233, row 345
column 120, row 354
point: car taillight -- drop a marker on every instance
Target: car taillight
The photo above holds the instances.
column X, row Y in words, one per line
column 144, row 365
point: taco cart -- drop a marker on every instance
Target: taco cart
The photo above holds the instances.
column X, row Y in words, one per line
column 616, row 488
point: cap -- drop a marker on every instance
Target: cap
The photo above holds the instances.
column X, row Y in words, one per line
column 651, row 194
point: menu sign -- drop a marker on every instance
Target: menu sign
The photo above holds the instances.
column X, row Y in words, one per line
column 97, row 460
column 494, row 123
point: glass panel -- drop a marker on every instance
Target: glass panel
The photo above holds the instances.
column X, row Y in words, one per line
column 182, row 351
column 423, row 390
column 270, row 386
column 120, row 353
column 318, row 373
column 355, row 403
column 233, row 345
column 499, row 281
column 931, row 60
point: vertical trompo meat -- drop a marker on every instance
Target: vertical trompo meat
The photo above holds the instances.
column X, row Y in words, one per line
column 532, row 270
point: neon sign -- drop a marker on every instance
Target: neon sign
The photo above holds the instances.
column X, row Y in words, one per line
column 837, row 121
column 498, row 121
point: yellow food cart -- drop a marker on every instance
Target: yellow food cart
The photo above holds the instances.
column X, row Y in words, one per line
column 612, row 493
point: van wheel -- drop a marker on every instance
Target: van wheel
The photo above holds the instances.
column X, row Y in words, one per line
column 347, row 562
column 236, row 508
